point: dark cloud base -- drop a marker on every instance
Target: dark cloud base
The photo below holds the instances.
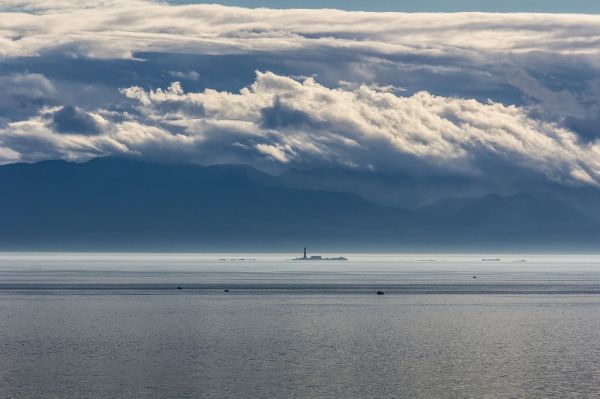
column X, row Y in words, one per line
column 71, row 119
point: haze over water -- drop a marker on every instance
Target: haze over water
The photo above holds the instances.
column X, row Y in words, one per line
column 115, row 325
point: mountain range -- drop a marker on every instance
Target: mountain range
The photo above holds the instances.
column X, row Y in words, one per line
column 130, row 204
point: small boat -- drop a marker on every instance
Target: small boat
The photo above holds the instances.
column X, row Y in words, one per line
column 380, row 293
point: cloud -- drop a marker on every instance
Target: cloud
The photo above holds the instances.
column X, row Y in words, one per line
column 120, row 29
column 499, row 56
column 70, row 119
column 23, row 94
column 279, row 121
column 465, row 93
column 281, row 115
column 305, row 122
column 35, row 140
column 187, row 75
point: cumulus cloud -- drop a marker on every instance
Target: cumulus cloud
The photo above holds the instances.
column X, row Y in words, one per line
column 292, row 121
column 34, row 140
column 70, row 119
column 469, row 54
column 465, row 93
column 280, row 121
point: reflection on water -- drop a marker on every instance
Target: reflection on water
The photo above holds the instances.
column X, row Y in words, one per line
column 114, row 325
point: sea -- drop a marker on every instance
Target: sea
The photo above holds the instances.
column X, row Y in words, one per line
column 156, row 325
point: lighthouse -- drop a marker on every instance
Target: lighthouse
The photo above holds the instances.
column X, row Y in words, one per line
column 318, row 257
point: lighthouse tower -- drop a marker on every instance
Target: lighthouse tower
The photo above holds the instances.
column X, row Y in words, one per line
column 304, row 252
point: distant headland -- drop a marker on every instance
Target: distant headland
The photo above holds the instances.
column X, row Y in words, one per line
column 318, row 257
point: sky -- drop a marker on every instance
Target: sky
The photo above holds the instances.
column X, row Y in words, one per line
column 487, row 94
column 550, row 6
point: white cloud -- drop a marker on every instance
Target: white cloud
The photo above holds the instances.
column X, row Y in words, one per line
column 119, row 29
column 379, row 116
column 34, row 140
column 188, row 75
column 282, row 121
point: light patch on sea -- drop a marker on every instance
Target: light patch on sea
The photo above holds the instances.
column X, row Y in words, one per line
column 162, row 325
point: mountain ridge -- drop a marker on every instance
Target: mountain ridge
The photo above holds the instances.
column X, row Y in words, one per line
column 124, row 203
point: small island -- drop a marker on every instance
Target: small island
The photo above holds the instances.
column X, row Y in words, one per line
column 318, row 257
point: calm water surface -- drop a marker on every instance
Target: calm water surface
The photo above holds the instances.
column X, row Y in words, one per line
column 114, row 325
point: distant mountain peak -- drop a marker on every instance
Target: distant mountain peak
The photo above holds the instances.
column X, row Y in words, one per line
column 128, row 203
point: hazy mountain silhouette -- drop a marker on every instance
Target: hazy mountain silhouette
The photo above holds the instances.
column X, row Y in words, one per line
column 127, row 204
column 398, row 190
